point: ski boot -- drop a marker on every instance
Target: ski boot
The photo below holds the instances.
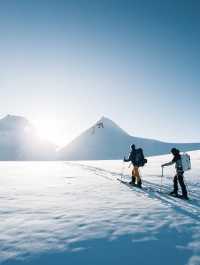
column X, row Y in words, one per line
column 184, row 197
column 132, row 181
column 139, row 184
column 173, row 193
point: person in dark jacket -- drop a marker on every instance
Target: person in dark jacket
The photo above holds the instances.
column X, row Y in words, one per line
column 135, row 172
column 179, row 177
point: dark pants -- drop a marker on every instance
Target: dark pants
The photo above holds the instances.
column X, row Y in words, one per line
column 179, row 179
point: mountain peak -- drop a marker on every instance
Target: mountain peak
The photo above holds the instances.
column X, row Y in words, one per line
column 105, row 119
column 14, row 122
column 13, row 117
column 108, row 123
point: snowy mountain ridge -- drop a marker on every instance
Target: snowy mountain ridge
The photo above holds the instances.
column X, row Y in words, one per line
column 19, row 141
column 106, row 140
column 11, row 122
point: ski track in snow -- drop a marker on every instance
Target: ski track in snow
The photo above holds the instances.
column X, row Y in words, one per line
column 78, row 213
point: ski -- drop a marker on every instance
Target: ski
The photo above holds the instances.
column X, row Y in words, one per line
column 149, row 189
column 143, row 188
column 179, row 197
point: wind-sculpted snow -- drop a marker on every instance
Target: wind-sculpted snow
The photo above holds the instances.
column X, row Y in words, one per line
column 78, row 213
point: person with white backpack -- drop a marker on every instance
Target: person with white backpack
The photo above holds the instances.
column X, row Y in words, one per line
column 182, row 163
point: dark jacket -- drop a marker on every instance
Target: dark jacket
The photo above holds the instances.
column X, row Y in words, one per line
column 177, row 160
column 178, row 163
column 132, row 158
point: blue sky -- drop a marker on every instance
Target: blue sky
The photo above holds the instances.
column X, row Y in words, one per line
column 64, row 64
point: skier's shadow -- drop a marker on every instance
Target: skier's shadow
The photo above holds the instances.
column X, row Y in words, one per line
column 152, row 190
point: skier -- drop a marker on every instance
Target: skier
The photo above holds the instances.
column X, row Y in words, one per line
column 179, row 177
column 137, row 158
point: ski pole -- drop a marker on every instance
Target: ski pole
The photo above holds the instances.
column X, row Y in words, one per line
column 122, row 170
column 161, row 180
column 186, row 186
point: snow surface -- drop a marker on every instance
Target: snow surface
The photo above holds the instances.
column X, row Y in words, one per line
column 78, row 213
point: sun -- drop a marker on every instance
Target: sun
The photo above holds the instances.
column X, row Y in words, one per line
column 52, row 131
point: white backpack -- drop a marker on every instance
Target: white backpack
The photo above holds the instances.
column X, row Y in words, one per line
column 186, row 162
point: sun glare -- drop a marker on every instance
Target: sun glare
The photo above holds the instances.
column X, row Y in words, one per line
column 51, row 131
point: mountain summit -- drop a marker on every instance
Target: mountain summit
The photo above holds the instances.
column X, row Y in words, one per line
column 106, row 140
column 108, row 125
column 11, row 122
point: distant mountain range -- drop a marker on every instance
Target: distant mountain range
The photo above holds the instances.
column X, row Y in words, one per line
column 106, row 140
column 19, row 141
column 102, row 141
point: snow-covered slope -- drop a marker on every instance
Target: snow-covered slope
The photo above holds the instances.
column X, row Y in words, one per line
column 106, row 140
column 78, row 213
column 18, row 141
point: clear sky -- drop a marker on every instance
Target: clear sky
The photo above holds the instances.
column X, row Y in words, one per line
column 64, row 64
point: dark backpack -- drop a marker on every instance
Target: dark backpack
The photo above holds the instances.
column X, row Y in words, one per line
column 139, row 158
